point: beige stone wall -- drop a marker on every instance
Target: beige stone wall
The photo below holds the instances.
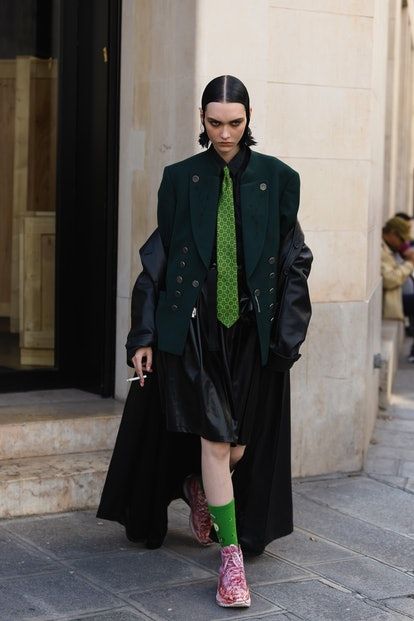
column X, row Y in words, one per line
column 399, row 163
column 322, row 78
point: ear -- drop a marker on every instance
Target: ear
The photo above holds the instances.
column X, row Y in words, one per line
column 201, row 115
column 250, row 112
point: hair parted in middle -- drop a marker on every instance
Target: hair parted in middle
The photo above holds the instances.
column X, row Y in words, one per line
column 227, row 89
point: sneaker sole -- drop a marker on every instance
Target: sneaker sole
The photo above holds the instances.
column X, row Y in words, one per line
column 240, row 604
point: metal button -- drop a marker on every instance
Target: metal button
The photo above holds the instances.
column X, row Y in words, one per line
column 183, row 263
column 263, row 186
column 271, row 260
column 174, row 307
column 179, row 279
column 196, row 178
column 257, row 292
column 272, row 275
column 195, row 283
column 271, row 305
column 177, row 293
column 271, row 290
column 185, row 249
column 271, row 318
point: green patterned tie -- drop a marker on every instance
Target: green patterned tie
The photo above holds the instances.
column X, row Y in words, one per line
column 227, row 292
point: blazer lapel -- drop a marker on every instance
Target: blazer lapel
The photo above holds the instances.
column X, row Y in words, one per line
column 204, row 195
column 254, row 208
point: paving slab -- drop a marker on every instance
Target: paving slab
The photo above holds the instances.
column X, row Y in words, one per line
column 381, row 465
column 277, row 616
column 70, row 535
column 138, row 570
column 357, row 535
column 367, row 577
column 395, row 423
column 177, row 521
column 305, row 548
column 407, row 470
column 261, row 569
column 50, row 596
column 392, row 452
column 393, row 437
column 314, row 600
column 401, row 604
column 365, row 498
column 403, row 411
column 123, row 614
column 18, row 559
column 196, row 602
column 390, row 479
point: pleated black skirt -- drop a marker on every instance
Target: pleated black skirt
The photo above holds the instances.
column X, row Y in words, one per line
column 211, row 390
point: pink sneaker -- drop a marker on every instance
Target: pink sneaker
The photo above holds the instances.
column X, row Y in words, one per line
column 232, row 589
column 200, row 520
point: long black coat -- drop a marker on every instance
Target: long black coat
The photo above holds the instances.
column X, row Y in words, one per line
column 149, row 463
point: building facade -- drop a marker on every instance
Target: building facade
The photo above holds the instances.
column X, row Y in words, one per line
column 331, row 89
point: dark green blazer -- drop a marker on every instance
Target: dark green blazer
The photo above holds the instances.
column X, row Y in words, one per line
column 187, row 211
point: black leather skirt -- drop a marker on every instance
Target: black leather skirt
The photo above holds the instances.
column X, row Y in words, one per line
column 211, row 389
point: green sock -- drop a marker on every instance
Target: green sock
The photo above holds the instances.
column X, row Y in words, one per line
column 224, row 522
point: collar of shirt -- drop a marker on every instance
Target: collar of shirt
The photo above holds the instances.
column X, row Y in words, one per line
column 235, row 163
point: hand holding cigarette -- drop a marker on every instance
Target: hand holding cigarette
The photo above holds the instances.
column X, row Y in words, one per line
column 142, row 361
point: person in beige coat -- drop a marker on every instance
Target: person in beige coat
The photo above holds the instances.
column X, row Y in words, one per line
column 395, row 237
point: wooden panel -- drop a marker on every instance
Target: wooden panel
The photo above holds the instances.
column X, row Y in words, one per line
column 42, row 143
column 20, row 176
column 37, row 298
column 8, row 69
column 7, row 99
column 34, row 166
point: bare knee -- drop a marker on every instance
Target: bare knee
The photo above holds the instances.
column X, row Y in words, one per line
column 218, row 451
column 236, row 454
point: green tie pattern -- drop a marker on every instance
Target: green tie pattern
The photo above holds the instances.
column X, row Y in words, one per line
column 227, row 291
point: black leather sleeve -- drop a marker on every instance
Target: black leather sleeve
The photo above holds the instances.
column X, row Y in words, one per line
column 145, row 296
column 293, row 310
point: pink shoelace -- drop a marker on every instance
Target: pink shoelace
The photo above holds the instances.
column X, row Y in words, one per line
column 232, row 576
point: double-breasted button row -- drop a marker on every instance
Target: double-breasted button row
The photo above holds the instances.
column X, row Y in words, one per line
column 271, row 260
column 195, row 178
column 195, row 283
column 179, row 279
column 182, row 263
column 177, row 293
column 272, row 275
column 263, row 186
column 174, row 307
column 184, row 249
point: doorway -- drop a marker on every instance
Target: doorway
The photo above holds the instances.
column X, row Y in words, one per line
column 59, row 93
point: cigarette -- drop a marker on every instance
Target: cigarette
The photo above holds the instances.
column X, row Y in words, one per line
column 132, row 379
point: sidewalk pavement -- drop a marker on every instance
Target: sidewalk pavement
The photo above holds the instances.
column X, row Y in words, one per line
column 350, row 557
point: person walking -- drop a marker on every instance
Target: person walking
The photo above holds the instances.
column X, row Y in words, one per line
column 214, row 330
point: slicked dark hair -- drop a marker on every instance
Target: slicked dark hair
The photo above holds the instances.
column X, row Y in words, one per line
column 227, row 89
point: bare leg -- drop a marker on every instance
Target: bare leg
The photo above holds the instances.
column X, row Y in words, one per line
column 236, row 453
column 215, row 467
